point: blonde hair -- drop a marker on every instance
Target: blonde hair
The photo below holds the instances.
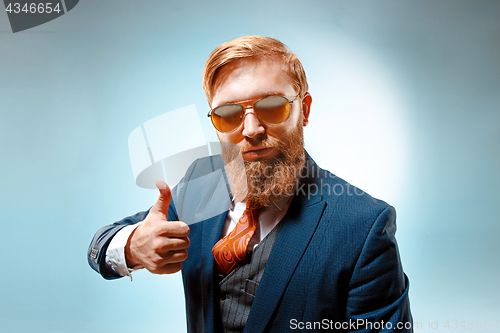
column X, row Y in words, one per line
column 250, row 47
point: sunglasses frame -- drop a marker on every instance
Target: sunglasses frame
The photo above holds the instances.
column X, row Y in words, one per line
column 290, row 102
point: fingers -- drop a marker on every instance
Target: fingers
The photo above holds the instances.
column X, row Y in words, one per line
column 150, row 243
column 167, row 264
column 167, row 269
column 161, row 205
column 173, row 257
column 172, row 229
column 163, row 246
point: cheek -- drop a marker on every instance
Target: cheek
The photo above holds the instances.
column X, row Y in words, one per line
column 228, row 137
column 289, row 125
column 284, row 130
column 277, row 132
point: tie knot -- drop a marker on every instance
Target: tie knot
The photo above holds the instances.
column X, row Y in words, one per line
column 253, row 212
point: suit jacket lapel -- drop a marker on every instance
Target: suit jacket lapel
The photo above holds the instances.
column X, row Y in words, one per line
column 212, row 230
column 297, row 228
column 212, row 226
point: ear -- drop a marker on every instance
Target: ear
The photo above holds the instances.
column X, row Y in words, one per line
column 306, row 107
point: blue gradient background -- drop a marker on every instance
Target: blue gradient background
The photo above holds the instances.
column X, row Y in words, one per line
column 406, row 105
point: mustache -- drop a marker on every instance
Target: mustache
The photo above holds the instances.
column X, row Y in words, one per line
column 261, row 144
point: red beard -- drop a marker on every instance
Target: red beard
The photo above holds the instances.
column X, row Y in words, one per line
column 267, row 180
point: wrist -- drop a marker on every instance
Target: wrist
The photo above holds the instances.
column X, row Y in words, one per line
column 130, row 258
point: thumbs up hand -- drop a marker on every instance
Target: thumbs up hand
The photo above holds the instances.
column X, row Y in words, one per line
column 157, row 244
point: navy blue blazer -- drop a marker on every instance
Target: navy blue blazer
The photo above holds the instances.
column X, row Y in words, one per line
column 334, row 265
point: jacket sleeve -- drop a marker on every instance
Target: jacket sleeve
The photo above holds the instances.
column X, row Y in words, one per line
column 378, row 289
column 96, row 253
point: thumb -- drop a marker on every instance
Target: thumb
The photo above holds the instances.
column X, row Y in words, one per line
column 161, row 205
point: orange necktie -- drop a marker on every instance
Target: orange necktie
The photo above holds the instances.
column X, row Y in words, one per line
column 232, row 249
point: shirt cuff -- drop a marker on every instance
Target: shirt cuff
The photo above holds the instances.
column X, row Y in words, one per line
column 115, row 254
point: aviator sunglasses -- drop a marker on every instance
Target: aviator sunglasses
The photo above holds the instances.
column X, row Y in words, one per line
column 272, row 110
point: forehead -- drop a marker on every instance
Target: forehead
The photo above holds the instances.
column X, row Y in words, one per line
column 251, row 78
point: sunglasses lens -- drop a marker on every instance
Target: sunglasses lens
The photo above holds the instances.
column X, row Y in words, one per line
column 227, row 118
column 273, row 110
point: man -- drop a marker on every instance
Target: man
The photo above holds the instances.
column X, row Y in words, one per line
column 295, row 247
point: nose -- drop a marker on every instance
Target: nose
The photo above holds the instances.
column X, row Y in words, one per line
column 252, row 126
